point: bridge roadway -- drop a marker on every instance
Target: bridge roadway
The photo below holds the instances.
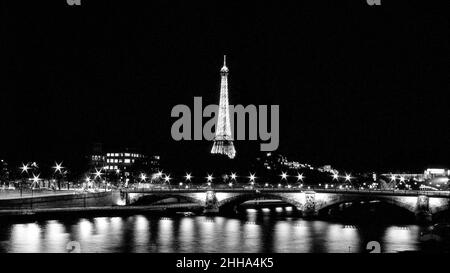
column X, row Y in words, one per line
column 284, row 190
column 308, row 201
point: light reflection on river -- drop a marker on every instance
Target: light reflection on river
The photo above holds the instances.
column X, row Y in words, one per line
column 256, row 231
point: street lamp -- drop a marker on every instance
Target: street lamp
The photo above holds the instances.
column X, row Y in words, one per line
column 188, row 177
column 252, row 178
column 167, row 179
column 233, row 176
column 35, row 180
column 284, row 176
column 299, row 177
column 209, row 178
column 393, row 177
column 336, row 176
column 143, row 177
column 348, row 177
column 98, row 174
column 58, row 168
column 25, row 169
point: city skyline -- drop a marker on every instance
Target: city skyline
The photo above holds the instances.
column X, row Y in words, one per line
column 224, row 136
column 344, row 114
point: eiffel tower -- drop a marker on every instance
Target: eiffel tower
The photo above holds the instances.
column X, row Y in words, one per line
column 223, row 140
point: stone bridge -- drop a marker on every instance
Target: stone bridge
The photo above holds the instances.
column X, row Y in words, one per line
column 308, row 202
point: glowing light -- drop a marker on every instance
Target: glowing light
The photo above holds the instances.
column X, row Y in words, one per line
column 230, row 184
column 58, row 167
column 348, row 177
column 266, row 185
column 188, row 177
column 143, row 177
column 159, row 174
column 393, row 177
column 335, row 176
column 283, row 175
column 233, row 176
column 279, row 185
column 98, row 173
column 181, row 184
column 300, row 177
column 289, row 186
column 167, row 178
column 35, row 178
column 87, row 179
column 252, row 177
column 402, row 179
column 24, row 168
column 209, row 178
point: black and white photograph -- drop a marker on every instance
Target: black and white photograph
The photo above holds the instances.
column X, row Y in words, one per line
column 235, row 128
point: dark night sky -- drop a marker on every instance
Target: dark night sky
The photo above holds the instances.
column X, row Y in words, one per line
column 359, row 87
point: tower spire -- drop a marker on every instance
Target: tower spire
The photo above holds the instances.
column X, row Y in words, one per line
column 224, row 67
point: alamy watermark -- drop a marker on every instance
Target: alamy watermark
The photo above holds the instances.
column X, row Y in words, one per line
column 73, row 2
column 258, row 126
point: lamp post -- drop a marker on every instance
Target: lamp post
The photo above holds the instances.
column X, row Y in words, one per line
column 188, row 177
column 58, row 169
column 167, row 180
column 284, row 177
column 98, row 174
column 209, row 179
column 25, row 169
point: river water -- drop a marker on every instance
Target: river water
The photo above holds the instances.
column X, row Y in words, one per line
column 262, row 230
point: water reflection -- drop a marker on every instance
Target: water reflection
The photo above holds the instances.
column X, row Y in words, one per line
column 268, row 230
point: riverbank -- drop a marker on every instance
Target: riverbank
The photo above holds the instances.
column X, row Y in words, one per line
column 47, row 213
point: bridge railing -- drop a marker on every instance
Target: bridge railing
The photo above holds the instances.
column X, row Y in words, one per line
column 311, row 189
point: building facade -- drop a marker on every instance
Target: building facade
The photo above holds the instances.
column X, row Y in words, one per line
column 124, row 165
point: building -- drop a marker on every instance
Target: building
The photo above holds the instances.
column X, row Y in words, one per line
column 122, row 164
column 4, row 172
column 435, row 172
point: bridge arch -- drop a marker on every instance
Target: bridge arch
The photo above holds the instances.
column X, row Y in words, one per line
column 235, row 200
column 138, row 198
column 408, row 203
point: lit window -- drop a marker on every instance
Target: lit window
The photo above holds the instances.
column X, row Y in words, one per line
column 116, row 160
column 127, row 160
column 127, row 154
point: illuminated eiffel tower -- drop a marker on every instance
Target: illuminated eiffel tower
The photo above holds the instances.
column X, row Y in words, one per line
column 223, row 141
